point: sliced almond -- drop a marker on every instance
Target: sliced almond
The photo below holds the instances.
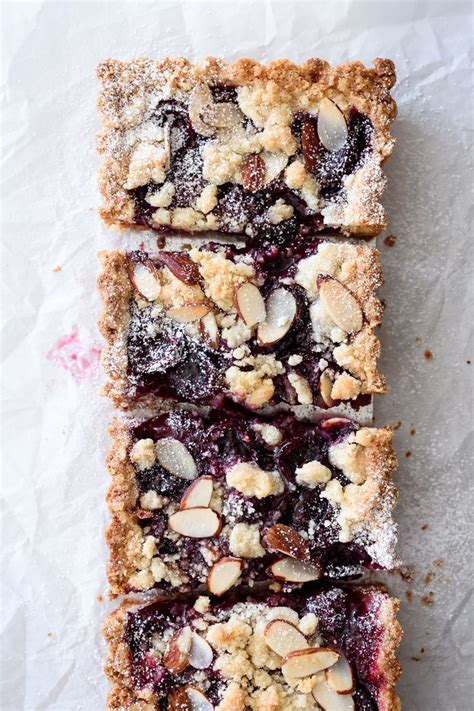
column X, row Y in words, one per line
column 178, row 700
column 176, row 656
column 175, row 457
column 250, row 304
column 200, row 654
column 325, row 387
column 288, row 541
column 341, row 305
column 340, row 677
column 199, row 494
column 196, row 523
column 332, row 127
column 199, row 101
column 223, row 575
column 333, row 423
column 198, row 701
column 209, row 329
column 181, row 265
column 310, row 143
column 146, row 281
column 274, row 164
column 253, row 172
column 329, row 700
column 223, row 115
column 188, row 313
column 305, row 662
column 294, row 571
column 283, row 637
column 281, row 311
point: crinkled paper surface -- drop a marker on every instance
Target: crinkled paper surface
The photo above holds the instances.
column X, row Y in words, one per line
column 53, row 553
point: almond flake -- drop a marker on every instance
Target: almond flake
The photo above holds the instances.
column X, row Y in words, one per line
column 176, row 656
column 329, row 700
column 294, row 571
column 188, row 313
column 200, row 654
column 146, row 281
column 253, row 172
column 250, row 304
column 305, row 662
column 325, row 387
column 340, row 677
column 198, row 701
column 198, row 494
column 283, row 637
column 288, row 541
column 281, row 311
column 174, row 456
column 209, row 329
column 341, row 305
column 332, row 127
column 224, row 574
column 199, row 522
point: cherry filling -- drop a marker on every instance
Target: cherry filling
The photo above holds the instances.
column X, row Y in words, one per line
column 224, row 438
column 163, row 359
column 348, row 621
column 243, row 209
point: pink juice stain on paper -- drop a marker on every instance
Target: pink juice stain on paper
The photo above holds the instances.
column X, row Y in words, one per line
column 76, row 358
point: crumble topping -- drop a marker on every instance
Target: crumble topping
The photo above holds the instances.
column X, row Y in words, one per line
column 151, row 500
column 250, row 480
column 244, row 541
column 350, row 455
column 143, row 453
column 312, row 474
column 269, row 433
column 302, row 388
column 255, row 386
column 221, row 276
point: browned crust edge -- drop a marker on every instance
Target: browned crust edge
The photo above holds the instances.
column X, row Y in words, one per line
column 115, row 291
column 125, row 84
column 388, row 662
column 123, row 535
column 117, row 665
column 380, row 494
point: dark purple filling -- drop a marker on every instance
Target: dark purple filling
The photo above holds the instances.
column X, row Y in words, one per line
column 174, row 365
column 235, row 203
column 223, row 438
column 348, row 620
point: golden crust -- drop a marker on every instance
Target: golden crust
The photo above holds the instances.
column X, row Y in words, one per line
column 128, row 90
column 115, row 290
column 388, row 662
column 117, row 665
column 123, row 535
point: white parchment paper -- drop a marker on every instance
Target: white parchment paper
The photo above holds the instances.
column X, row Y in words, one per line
column 54, row 441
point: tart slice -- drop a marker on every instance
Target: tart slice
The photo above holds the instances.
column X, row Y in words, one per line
column 266, row 153
column 332, row 648
column 220, row 323
column 211, row 502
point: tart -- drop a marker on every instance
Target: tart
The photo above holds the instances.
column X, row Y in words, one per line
column 219, row 323
column 211, row 502
column 267, row 153
column 332, row 648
